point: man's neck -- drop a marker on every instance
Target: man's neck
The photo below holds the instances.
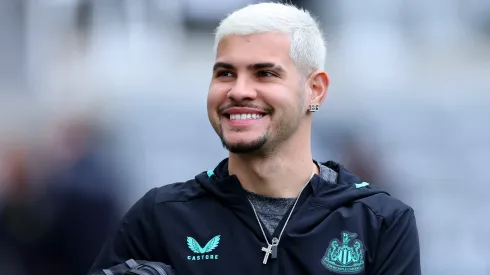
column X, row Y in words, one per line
column 281, row 176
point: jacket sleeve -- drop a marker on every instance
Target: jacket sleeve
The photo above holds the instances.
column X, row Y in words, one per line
column 398, row 247
column 134, row 237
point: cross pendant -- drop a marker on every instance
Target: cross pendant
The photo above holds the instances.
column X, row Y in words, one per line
column 268, row 252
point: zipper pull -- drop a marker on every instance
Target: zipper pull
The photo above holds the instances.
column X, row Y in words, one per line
column 275, row 243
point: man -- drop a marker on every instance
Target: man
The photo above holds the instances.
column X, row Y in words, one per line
column 268, row 208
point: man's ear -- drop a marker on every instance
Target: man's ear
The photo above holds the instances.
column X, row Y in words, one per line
column 318, row 83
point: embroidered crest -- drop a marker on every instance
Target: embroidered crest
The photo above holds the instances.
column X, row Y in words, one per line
column 346, row 256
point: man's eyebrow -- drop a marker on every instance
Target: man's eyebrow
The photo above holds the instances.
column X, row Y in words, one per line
column 223, row 65
column 251, row 67
column 266, row 65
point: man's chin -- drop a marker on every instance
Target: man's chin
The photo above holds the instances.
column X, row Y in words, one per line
column 244, row 147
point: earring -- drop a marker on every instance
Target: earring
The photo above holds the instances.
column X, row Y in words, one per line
column 314, row 107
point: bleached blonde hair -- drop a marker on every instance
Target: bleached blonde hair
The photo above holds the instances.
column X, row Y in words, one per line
column 308, row 48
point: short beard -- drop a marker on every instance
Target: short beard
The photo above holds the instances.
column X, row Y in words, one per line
column 245, row 147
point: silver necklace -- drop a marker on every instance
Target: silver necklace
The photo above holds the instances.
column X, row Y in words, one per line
column 271, row 249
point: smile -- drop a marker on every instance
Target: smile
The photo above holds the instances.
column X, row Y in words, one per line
column 245, row 116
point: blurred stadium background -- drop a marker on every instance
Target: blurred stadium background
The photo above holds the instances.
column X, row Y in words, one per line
column 101, row 100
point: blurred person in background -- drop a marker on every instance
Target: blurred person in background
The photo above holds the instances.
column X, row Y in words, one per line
column 360, row 155
column 19, row 222
column 268, row 208
column 84, row 186
column 350, row 145
column 57, row 222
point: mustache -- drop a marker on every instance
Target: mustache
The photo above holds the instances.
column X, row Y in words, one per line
column 223, row 109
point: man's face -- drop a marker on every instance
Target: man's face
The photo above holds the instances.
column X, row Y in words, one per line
column 256, row 98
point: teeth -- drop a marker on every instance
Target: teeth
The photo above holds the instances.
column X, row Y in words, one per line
column 245, row 116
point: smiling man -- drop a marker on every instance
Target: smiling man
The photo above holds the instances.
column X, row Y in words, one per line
column 268, row 208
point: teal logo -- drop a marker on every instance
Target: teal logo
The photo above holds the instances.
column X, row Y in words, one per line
column 346, row 256
column 202, row 253
column 361, row 185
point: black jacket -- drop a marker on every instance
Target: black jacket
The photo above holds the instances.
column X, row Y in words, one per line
column 207, row 226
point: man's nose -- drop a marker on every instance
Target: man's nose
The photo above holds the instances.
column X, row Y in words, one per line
column 242, row 90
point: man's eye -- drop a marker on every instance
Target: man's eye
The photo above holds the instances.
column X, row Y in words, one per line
column 224, row 74
column 264, row 74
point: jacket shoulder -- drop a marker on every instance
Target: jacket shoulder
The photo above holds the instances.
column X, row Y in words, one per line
column 179, row 192
column 385, row 206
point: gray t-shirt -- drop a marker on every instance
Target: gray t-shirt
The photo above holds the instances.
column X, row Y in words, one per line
column 271, row 210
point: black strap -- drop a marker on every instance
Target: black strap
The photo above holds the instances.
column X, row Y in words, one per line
column 131, row 263
column 157, row 268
